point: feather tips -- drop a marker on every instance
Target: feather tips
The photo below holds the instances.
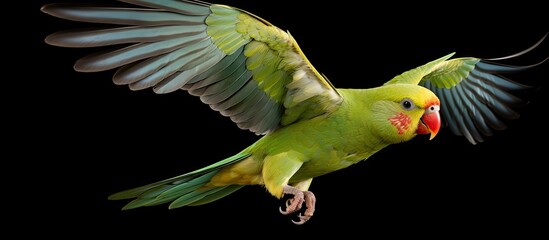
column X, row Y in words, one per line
column 121, row 16
column 240, row 65
column 112, row 36
column 117, row 58
column 178, row 188
column 183, row 6
column 474, row 97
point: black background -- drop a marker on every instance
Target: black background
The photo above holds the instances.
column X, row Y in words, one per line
column 80, row 138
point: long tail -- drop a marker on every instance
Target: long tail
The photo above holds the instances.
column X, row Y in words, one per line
column 183, row 190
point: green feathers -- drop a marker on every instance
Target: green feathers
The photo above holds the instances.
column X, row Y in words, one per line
column 239, row 64
column 417, row 74
column 222, row 24
column 256, row 74
column 451, row 72
column 181, row 190
column 473, row 95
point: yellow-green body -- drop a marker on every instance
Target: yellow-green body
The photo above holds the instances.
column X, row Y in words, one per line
column 327, row 143
column 256, row 74
column 322, row 144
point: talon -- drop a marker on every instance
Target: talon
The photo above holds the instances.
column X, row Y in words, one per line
column 295, row 204
column 300, row 222
column 291, row 208
column 302, row 219
column 288, row 204
column 283, row 211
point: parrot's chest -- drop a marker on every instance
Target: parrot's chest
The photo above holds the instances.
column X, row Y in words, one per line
column 327, row 146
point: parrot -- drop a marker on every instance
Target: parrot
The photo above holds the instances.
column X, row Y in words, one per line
column 256, row 74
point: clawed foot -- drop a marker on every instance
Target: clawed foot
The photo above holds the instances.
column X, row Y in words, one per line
column 295, row 204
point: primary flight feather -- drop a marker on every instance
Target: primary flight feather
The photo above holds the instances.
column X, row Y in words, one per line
column 255, row 73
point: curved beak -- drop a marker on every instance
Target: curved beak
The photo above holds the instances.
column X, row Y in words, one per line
column 429, row 124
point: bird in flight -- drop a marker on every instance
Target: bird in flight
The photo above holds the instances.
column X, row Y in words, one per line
column 254, row 73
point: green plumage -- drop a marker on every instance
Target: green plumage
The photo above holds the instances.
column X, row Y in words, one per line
column 256, row 74
column 182, row 189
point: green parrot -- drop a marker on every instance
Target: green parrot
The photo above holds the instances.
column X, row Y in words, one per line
column 256, row 74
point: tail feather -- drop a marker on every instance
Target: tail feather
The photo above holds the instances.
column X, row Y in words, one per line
column 187, row 187
column 139, row 202
column 181, row 190
column 217, row 195
column 193, row 197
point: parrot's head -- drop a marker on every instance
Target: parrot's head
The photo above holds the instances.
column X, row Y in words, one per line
column 401, row 111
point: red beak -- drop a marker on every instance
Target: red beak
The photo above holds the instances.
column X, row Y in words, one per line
column 429, row 124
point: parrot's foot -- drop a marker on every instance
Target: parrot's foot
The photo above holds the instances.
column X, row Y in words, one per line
column 294, row 204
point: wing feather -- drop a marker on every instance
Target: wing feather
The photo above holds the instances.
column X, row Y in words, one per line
column 183, row 6
column 236, row 98
column 235, row 86
column 120, row 16
column 183, row 56
column 475, row 97
column 242, row 66
column 469, row 113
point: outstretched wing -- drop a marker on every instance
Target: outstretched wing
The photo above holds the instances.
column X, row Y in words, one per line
column 474, row 97
column 240, row 65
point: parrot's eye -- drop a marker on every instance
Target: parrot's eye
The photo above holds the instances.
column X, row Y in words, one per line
column 432, row 108
column 407, row 104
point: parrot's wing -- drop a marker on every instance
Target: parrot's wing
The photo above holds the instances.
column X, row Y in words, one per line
column 237, row 63
column 474, row 97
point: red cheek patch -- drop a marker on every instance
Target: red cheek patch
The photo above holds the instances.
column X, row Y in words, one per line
column 401, row 121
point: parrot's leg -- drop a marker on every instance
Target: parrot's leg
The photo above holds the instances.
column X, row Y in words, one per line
column 277, row 171
column 294, row 204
